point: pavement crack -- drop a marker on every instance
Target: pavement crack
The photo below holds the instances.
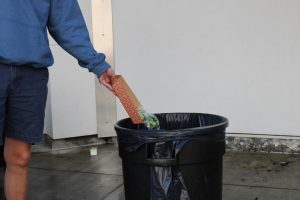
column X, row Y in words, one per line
column 112, row 191
column 260, row 186
column 74, row 171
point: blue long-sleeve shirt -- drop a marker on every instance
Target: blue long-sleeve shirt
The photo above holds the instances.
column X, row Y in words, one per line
column 24, row 40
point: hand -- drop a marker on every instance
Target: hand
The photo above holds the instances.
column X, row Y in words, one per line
column 106, row 78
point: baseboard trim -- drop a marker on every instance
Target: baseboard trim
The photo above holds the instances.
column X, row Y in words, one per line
column 50, row 144
column 234, row 142
column 263, row 143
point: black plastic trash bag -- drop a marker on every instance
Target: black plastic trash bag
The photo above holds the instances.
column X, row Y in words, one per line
column 181, row 161
column 167, row 182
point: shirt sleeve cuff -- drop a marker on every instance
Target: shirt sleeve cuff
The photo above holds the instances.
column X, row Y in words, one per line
column 100, row 69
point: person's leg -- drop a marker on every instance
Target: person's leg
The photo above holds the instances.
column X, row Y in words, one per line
column 5, row 80
column 17, row 156
column 24, row 123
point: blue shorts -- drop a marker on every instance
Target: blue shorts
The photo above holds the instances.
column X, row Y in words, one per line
column 23, row 95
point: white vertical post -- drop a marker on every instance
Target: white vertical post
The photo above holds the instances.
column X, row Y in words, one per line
column 103, row 42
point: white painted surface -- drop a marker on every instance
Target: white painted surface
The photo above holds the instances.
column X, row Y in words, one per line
column 237, row 58
column 71, row 110
column 103, row 41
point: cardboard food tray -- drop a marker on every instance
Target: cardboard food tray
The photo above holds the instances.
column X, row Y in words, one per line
column 127, row 98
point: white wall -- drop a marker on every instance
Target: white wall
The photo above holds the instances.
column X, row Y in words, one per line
column 237, row 58
column 71, row 106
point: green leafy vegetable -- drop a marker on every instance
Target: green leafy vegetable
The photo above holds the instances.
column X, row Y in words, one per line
column 150, row 120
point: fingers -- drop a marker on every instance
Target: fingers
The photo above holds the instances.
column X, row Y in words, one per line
column 107, row 84
column 105, row 81
column 106, row 78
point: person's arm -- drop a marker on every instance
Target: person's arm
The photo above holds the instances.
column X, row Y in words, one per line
column 67, row 26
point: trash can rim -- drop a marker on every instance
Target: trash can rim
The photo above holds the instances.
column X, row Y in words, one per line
column 223, row 123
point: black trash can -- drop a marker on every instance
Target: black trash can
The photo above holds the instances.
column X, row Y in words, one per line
column 181, row 161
